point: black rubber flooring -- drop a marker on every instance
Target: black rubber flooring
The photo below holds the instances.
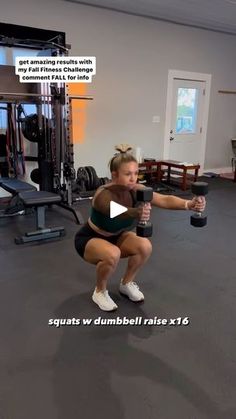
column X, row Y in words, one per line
column 134, row 371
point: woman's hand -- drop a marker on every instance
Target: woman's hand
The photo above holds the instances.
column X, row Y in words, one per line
column 144, row 212
column 198, row 204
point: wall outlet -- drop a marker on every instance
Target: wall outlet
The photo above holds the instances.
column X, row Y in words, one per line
column 156, row 119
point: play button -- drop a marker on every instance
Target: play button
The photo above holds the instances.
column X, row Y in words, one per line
column 116, row 209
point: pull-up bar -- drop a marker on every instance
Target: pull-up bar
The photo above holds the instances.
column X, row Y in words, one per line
column 38, row 95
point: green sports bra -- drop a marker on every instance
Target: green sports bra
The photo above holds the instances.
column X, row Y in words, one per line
column 116, row 224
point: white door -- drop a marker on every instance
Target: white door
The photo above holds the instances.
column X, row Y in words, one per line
column 186, row 133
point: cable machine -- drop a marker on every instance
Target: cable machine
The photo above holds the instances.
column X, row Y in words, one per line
column 49, row 127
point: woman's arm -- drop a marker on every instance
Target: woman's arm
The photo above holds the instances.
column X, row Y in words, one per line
column 176, row 203
column 168, row 201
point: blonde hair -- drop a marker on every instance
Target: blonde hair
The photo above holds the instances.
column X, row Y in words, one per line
column 123, row 156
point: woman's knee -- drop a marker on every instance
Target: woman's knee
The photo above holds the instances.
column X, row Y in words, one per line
column 145, row 248
column 112, row 256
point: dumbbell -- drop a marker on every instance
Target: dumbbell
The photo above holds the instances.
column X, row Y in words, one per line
column 144, row 228
column 199, row 189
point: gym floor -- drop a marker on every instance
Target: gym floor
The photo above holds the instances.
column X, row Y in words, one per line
column 127, row 371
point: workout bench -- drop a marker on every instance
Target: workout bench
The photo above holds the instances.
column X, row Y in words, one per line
column 39, row 200
column 26, row 195
column 14, row 187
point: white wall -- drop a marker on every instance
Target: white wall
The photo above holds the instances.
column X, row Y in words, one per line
column 134, row 55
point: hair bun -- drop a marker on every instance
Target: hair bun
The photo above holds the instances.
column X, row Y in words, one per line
column 123, row 148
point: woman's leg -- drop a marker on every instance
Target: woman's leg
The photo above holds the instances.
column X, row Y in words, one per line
column 105, row 256
column 138, row 250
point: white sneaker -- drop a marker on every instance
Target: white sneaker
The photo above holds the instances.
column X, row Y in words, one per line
column 132, row 291
column 104, row 301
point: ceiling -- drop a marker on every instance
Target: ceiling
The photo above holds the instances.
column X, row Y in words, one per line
column 218, row 15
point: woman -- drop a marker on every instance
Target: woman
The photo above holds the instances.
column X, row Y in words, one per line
column 102, row 241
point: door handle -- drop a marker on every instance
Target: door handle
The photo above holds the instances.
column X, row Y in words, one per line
column 172, row 138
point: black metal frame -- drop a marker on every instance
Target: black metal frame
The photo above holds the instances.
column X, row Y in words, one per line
column 55, row 154
column 41, row 232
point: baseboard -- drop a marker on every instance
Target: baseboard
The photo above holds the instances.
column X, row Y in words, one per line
column 218, row 171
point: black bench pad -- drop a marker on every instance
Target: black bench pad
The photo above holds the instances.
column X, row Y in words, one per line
column 14, row 186
column 39, row 198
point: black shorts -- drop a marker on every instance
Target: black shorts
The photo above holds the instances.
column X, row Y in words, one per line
column 86, row 233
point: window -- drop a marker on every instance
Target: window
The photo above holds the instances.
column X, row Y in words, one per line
column 186, row 110
column 23, row 52
column 2, row 55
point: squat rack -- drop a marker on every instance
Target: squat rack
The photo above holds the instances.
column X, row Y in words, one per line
column 56, row 171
